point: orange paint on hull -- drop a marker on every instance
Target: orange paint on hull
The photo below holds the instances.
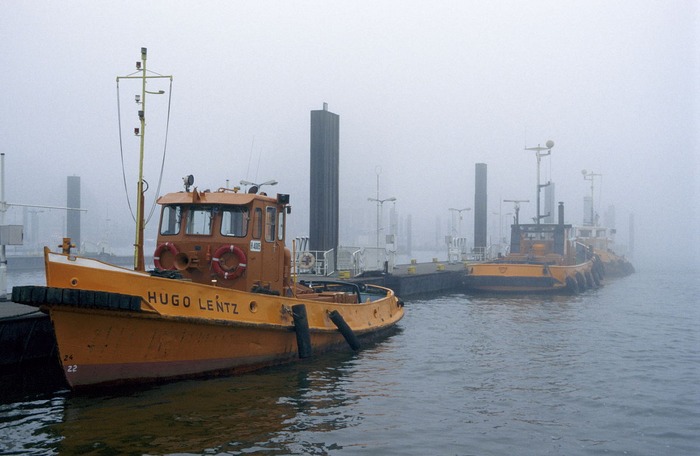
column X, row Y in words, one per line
column 185, row 329
column 514, row 277
column 115, row 347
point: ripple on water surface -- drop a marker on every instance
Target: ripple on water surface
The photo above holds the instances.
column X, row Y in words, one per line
column 610, row 371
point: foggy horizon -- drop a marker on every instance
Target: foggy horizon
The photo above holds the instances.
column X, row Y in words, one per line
column 424, row 91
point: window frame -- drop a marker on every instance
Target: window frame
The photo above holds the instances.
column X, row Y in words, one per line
column 190, row 222
column 244, row 223
column 168, row 222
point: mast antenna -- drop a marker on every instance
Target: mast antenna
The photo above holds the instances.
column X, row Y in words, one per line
column 139, row 263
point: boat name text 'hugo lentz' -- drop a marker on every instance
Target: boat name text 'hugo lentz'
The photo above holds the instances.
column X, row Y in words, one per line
column 176, row 300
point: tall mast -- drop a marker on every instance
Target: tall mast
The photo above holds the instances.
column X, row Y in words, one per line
column 139, row 263
column 539, row 152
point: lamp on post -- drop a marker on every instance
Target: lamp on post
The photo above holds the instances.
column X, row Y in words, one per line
column 255, row 187
column 380, row 203
column 539, row 152
column 459, row 229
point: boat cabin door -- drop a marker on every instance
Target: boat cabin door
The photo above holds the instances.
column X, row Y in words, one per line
column 267, row 244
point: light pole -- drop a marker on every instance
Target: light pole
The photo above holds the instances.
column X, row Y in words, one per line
column 539, row 152
column 590, row 175
column 255, row 187
column 380, row 203
column 459, row 229
column 501, row 238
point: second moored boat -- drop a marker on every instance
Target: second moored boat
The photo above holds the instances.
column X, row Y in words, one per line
column 542, row 258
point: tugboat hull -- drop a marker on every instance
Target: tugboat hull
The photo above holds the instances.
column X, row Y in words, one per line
column 171, row 329
column 530, row 278
column 127, row 347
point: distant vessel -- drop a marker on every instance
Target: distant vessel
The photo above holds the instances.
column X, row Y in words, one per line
column 601, row 239
column 223, row 297
column 542, row 257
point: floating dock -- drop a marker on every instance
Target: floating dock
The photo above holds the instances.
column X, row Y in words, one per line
column 419, row 278
column 26, row 334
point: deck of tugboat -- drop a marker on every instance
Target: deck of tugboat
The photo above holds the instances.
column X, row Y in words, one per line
column 404, row 280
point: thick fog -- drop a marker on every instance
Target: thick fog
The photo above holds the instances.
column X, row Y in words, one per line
column 424, row 91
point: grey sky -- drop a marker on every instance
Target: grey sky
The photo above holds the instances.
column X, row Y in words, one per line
column 424, row 90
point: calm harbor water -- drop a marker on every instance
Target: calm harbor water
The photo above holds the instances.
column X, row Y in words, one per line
column 610, row 371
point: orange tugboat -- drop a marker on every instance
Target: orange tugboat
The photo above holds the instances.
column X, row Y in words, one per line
column 223, row 297
column 542, row 258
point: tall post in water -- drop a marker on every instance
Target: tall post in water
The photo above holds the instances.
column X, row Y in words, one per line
column 73, row 216
column 324, row 197
column 480, row 209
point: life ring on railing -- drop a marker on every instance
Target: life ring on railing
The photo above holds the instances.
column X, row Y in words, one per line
column 307, row 260
column 223, row 271
column 170, row 247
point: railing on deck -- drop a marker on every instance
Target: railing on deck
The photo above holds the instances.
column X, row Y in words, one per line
column 479, row 253
column 351, row 261
column 311, row 262
column 378, row 259
column 456, row 249
column 314, row 262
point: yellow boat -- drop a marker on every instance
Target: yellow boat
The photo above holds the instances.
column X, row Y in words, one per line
column 223, row 298
column 601, row 238
column 542, row 258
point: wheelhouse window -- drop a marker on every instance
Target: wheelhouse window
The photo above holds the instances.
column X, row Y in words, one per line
column 199, row 220
column 257, row 223
column 170, row 220
column 270, row 220
column 234, row 221
column 280, row 225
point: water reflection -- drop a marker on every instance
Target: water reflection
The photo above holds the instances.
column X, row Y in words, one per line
column 30, row 380
column 609, row 371
column 254, row 412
